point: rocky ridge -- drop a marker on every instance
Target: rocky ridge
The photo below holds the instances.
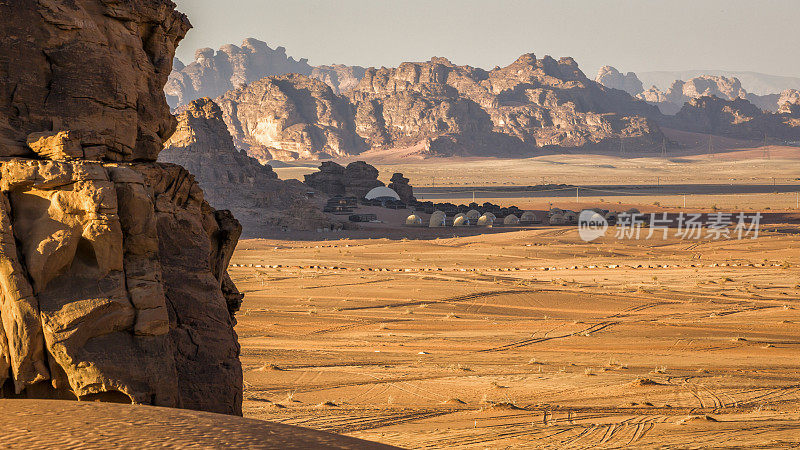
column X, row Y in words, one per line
column 672, row 100
column 442, row 108
column 113, row 269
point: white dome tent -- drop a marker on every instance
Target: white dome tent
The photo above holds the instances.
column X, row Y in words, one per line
column 461, row 221
column 528, row 217
column 437, row 219
column 382, row 193
column 414, row 220
column 486, row 220
column 511, row 219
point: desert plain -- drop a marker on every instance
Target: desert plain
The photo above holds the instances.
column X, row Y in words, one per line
column 527, row 336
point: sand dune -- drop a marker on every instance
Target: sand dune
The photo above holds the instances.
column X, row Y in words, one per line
column 29, row 424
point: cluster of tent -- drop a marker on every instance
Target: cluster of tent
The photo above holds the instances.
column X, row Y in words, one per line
column 472, row 217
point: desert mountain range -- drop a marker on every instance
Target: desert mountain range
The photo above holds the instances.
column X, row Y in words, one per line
column 279, row 108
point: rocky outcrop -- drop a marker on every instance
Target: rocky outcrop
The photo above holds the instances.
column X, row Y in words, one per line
column 736, row 118
column 113, row 267
column 355, row 180
column 291, row 117
column 399, row 184
column 232, row 179
column 612, row 78
column 211, row 74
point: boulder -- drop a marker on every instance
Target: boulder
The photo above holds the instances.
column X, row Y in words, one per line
column 355, row 180
column 399, row 184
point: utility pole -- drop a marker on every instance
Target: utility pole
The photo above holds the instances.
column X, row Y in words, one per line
column 577, row 195
column 766, row 149
column 664, row 148
column 621, row 146
column 684, row 201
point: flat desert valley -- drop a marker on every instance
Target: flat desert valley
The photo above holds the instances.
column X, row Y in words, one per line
column 529, row 336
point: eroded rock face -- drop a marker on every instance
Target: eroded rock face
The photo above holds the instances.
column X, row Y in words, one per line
column 355, row 180
column 72, row 66
column 291, row 117
column 232, row 179
column 509, row 111
column 612, row 78
column 113, row 274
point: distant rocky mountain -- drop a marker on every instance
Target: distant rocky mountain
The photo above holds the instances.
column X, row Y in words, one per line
column 443, row 108
column 672, row 99
column 754, row 82
column 738, row 118
column 231, row 179
column 213, row 73
column 611, row 77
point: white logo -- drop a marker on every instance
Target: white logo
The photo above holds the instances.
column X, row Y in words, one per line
column 591, row 225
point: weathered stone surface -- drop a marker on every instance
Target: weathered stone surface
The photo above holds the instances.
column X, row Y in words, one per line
column 355, row 180
column 291, row 117
column 232, row 179
column 399, row 184
column 610, row 77
column 88, row 67
column 112, row 268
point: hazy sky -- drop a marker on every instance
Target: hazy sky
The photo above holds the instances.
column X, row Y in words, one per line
column 633, row 35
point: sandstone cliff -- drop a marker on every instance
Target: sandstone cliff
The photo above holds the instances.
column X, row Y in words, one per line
column 232, row 179
column 612, row 78
column 290, row 117
column 113, row 275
